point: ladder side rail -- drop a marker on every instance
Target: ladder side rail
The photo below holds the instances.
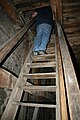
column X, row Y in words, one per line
column 8, row 47
column 63, row 102
column 72, row 87
column 58, row 111
column 11, row 110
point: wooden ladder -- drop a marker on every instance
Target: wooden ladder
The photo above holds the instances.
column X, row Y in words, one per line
column 47, row 62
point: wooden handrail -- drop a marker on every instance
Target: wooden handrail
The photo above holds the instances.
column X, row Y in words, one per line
column 72, row 87
column 7, row 48
column 62, row 93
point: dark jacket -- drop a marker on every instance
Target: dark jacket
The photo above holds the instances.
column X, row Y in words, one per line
column 44, row 15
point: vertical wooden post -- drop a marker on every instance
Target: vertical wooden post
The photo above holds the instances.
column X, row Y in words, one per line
column 59, row 10
column 52, row 4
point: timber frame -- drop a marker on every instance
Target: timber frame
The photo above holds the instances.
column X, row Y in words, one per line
column 68, row 92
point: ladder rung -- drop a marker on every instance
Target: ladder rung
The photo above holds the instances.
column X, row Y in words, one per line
column 34, row 104
column 50, row 50
column 40, row 75
column 43, row 57
column 43, row 64
column 51, row 45
column 38, row 88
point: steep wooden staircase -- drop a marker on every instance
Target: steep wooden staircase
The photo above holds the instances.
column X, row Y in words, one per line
column 43, row 76
column 47, row 87
column 48, row 61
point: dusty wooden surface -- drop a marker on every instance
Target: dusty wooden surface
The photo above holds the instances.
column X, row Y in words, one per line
column 64, row 114
column 72, row 87
column 7, row 80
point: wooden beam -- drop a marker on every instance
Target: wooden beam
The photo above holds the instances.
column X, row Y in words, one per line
column 26, row 9
column 40, row 75
column 63, row 102
column 59, row 9
column 74, row 40
column 52, row 4
column 72, row 15
column 45, row 57
column 71, row 9
column 42, row 65
column 73, row 4
column 30, row 2
column 38, row 88
column 7, row 80
column 72, row 87
column 72, row 30
column 71, row 24
column 22, row 6
column 10, row 9
column 34, row 104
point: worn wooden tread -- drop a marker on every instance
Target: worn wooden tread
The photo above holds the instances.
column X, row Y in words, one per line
column 43, row 64
column 53, row 47
column 34, row 104
column 40, row 75
column 45, row 57
column 38, row 88
column 50, row 50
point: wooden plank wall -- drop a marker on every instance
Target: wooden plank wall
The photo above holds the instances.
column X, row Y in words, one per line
column 71, row 24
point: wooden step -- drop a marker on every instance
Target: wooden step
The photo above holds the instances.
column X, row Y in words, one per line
column 50, row 50
column 51, row 46
column 44, row 57
column 34, row 104
column 40, row 75
column 43, row 64
column 38, row 88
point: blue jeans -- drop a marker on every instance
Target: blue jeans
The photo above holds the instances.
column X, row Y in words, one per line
column 42, row 37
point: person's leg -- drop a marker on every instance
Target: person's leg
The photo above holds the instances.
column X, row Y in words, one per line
column 45, row 37
column 38, row 38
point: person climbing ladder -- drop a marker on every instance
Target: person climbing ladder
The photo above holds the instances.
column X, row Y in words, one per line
column 44, row 26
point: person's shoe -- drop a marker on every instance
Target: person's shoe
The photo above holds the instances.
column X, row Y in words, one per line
column 35, row 53
column 41, row 52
